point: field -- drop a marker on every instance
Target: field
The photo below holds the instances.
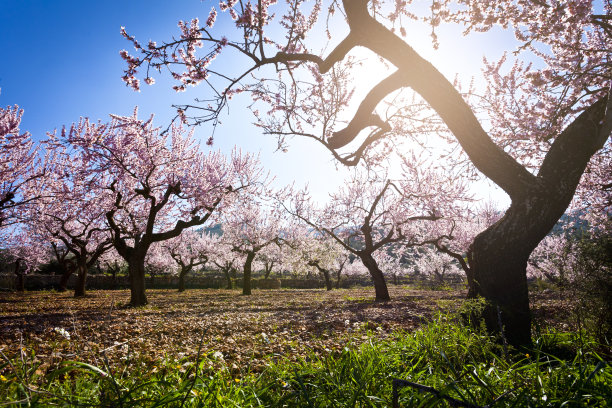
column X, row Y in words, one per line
column 173, row 324
column 287, row 338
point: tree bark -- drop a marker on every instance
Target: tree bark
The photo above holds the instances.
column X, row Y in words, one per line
column 19, row 279
column 181, row 282
column 380, row 285
column 136, row 270
column 498, row 256
column 230, row 284
column 63, row 283
column 328, row 282
column 246, row 279
column 267, row 271
column 79, row 289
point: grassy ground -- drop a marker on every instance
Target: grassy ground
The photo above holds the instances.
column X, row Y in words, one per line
column 282, row 348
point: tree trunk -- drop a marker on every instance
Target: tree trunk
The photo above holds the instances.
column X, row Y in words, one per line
column 181, row 282
column 498, row 260
column 380, row 285
column 338, row 276
column 63, row 283
column 114, row 271
column 228, row 278
column 246, row 279
column 19, row 279
column 136, row 270
column 328, row 282
column 79, row 289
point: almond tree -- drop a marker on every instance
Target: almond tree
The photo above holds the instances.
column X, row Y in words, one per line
column 554, row 259
column 321, row 252
column 156, row 184
column 70, row 213
column 250, row 226
column 226, row 260
column 190, row 249
column 268, row 258
column 369, row 214
column 19, row 164
column 112, row 262
column 435, row 264
column 27, row 251
column 390, row 262
column 546, row 109
column 462, row 234
column 159, row 263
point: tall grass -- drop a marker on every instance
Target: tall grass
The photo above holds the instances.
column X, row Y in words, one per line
column 457, row 362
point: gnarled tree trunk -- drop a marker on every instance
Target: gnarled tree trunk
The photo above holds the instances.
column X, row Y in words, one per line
column 328, row 282
column 228, row 277
column 136, row 270
column 498, row 256
column 63, row 283
column 181, row 281
column 79, row 289
column 380, row 285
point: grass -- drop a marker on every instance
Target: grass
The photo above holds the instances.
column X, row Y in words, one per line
column 460, row 363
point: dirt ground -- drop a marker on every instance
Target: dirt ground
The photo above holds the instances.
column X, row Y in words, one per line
column 99, row 329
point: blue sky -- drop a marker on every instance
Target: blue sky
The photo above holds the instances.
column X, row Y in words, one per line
column 61, row 61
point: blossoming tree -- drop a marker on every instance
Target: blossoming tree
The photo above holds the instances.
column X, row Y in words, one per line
column 370, row 213
column 546, row 108
column 19, row 165
column 70, row 213
column 250, row 226
column 189, row 250
column 156, row 185
column 226, row 260
column 319, row 251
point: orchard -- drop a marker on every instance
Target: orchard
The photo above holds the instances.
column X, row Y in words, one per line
column 327, row 203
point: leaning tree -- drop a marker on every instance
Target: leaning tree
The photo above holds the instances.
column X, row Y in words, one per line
column 544, row 114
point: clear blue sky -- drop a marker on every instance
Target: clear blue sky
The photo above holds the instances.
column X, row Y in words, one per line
column 60, row 61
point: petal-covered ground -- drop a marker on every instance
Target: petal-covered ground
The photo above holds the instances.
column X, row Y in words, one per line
column 242, row 330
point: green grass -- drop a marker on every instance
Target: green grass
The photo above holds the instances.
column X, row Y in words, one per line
column 457, row 361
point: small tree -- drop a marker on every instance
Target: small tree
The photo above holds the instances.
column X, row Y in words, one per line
column 435, row 264
column 189, row 250
column 225, row 259
column 250, row 226
column 390, row 262
column 26, row 251
column 321, row 252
